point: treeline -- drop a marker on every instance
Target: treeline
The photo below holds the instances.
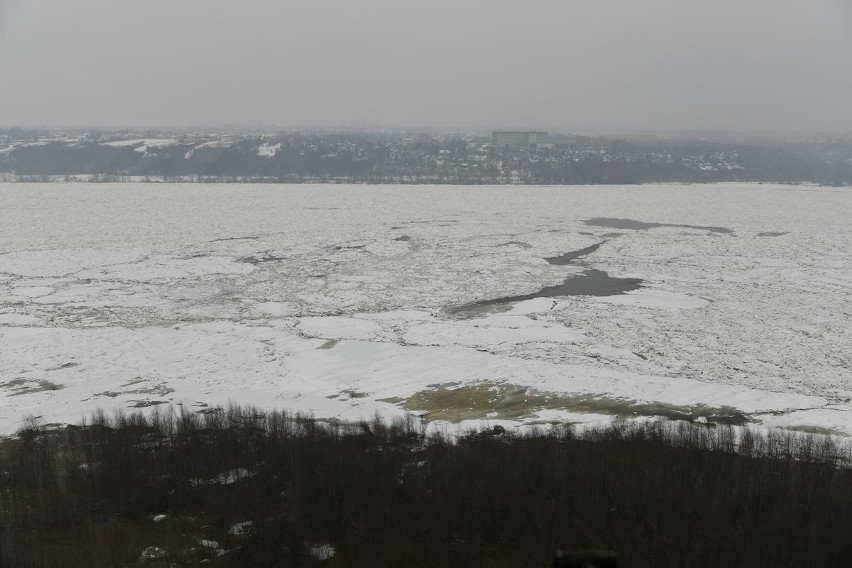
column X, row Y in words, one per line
column 403, row 158
column 239, row 487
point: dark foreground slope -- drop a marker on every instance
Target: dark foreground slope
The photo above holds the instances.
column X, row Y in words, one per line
column 276, row 490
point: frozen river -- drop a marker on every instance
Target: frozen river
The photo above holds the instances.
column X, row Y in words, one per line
column 530, row 304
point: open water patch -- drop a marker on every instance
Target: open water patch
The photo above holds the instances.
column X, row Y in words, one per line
column 570, row 257
column 590, row 282
column 613, row 223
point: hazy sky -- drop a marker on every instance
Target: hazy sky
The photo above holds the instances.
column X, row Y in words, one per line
column 722, row 65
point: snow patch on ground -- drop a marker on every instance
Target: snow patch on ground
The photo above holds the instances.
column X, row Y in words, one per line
column 322, row 551
column 241, row 529
column 143, row 143
column 267, row 150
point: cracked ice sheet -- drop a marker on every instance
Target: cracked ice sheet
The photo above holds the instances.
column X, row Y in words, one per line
column 732, row 317
column 59, row 262
column 656, row 299
column 218, row 363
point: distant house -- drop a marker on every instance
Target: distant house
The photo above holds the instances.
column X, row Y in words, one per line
column 517, row 139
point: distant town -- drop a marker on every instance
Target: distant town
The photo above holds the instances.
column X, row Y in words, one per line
column 501, row 157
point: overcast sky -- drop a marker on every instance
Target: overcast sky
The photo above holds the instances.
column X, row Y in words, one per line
column 716, row 65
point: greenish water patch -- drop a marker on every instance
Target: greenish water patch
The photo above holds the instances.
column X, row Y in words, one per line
column 805, row 429
column 443, row 385
column 491, row 400
column 391, row 400
column 611, row 223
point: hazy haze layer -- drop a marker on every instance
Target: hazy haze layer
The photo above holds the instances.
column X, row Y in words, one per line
column 665, row 64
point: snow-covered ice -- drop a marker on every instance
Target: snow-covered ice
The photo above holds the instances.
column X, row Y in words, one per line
column 346, row 301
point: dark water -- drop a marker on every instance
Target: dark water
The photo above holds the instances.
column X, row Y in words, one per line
column 590, row 282
column 612, row 223
column 569, row 257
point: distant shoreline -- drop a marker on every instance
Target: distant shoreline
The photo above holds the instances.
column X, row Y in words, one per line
column 248, row 180
column 502, row 158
